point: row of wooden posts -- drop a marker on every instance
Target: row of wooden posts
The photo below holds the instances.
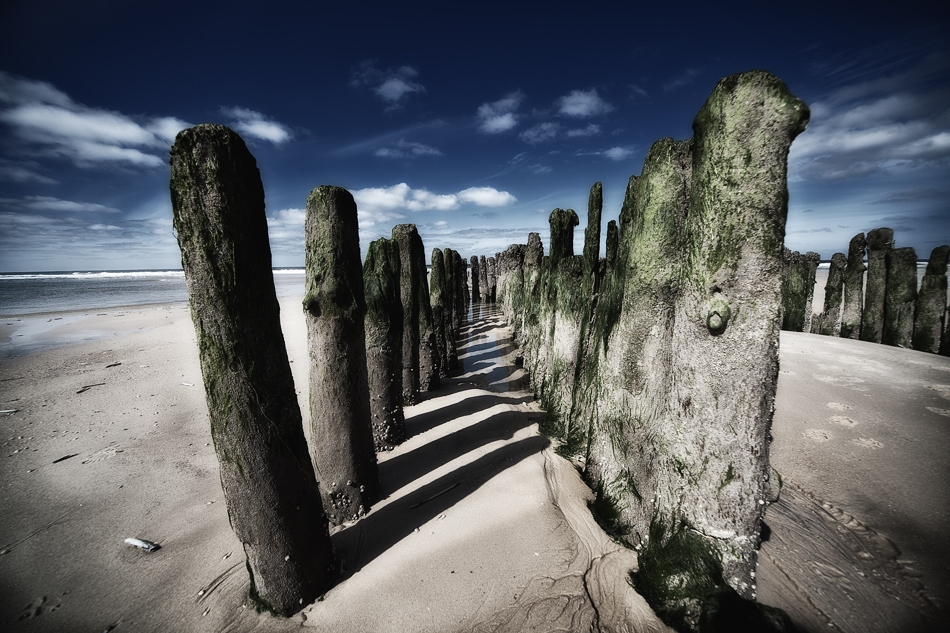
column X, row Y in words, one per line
column 882, row 306
column 379, row 333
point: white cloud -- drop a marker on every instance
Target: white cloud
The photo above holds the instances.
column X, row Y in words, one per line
column 499, row 116
column 582, row 104
column 19, row 90
column 167, row 128
column 486, row 197
column 254, row 124
column 285, row 230
column 541, row 132
column 30, row 241
column 406, row 149
column 617, row 153
column 384, row 200
column 23, row 172
column 47, row 123
column 590, row 130
column 683, row 79
column 882, row 125
column 393, row 86
column 47, row 203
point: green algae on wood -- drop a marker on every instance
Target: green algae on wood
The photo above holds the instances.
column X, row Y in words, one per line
column 437, row 302
column 341, row 432
column 798, row 289
column 932, row 302
column 384, row 325
column 831, row 314
column 900, row 297
column 853, row 299
column 879, row 244
column 674, row 371
column 272, row 495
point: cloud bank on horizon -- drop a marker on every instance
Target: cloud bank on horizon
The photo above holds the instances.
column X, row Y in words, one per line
column 475, row 159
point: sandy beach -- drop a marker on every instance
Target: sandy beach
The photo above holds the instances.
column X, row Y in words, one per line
column 481, row 526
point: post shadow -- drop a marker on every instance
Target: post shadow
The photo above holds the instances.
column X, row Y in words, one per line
column 400, row 470
column 361, row 543
column 424, row 422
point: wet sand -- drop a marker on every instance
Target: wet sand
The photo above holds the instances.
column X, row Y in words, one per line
column 481, row 528
column 860, row 534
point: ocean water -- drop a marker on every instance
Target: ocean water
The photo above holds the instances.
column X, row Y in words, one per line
column 37, row 293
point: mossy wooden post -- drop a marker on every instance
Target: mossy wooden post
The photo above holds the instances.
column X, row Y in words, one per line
column 430, row 363
column 465, row 296
column 562, row 315
column 831, row 311
column 492, row 278
column 853, row 288
column 408, row 278
column 483, row 289
column 798, row 290
column 613, row 240
column 271, row 493
column 900, row 298
column 454, row 305
column 562, row 225
column 437, row 296
column 678, row 381
column 880, row 242
column 595, row 206
column 511, row 284
column 728, row 315
column 476, row 282
column 341, row 431
column 932, row 302
column 384, row 324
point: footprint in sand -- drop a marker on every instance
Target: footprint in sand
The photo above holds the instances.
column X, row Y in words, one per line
column 945, row 412
column 837, row 406
column 867, row 442
column 817, row 435
column 843, row 421
column 33, row 610
column 105, row 453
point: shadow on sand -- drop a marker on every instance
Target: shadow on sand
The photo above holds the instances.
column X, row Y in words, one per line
column 495, row 418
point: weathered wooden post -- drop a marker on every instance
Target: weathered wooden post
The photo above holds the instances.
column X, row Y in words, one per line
column 853, row 300
column 880, row 242
column 798, row 289
column 384, row 343
column 831, row 311
column 271, row 493
column 437, row 303
column 341, row 432
column 483, row 280
column 900, row 297
column 932, row 302
column 476, row 282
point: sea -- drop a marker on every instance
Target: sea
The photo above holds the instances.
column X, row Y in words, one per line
column 24, row 294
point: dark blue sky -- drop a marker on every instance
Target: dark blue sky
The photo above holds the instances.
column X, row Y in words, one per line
column 472, row 120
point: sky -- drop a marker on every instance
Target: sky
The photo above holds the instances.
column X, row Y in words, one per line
column 471, row 120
